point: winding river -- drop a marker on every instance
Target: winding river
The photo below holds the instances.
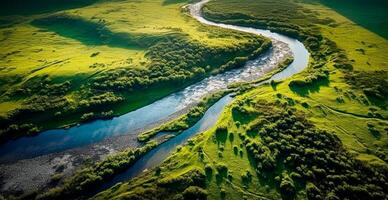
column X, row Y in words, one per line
column 156, row 156
column 82, row 136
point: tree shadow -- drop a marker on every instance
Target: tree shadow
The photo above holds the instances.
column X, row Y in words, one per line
column 231, row 138
column 235, row 150
column 305, row 90
column 209, row 175
column 219, row 179
column 170, row 2
column 379, row 102
column 30, row 7
column 93, row 33
column 251, row 160
column 221, row 135
column 371, row 15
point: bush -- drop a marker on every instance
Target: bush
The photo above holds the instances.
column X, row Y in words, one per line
column 194, row 192
column 222, row 169
column 287, row 187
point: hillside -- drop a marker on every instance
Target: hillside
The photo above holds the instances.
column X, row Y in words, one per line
column 321, row 134
column 125, row 56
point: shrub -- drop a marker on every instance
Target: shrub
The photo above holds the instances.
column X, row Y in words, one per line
column 287, row 187
column 194, row 192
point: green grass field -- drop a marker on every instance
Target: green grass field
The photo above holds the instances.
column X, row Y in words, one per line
column 126, row 55
column 368, row 14
column 256, row 151
column 321, row 134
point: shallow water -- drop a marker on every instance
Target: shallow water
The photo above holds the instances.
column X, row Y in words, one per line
column 58, row 140
column 156, row 156
column 161, row 152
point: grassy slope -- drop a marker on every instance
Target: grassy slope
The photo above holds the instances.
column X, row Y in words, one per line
column 20, row 7
column 373, row 59
column 58, row 53
column 346, row 120
column 371, row 15
column 326, row 96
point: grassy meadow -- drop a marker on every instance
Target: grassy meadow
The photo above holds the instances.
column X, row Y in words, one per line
column 321, row 134
column 371, row 15
column 97, row 59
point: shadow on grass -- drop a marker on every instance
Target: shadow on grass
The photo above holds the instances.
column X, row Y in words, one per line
column 221, row 135
column 31, row 7
column 94, row 33
column 209, row 175
column 377, row 101
column 170, row 2
column 371, row 14
column 308, row 89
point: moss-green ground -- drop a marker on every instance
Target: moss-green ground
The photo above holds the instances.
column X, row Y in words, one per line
column 346, row 160
column 88, row 40
column 335, row 106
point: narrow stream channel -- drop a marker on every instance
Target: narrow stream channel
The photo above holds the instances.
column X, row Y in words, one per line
column 52, row 142
column 156, row 156
column 58, row 140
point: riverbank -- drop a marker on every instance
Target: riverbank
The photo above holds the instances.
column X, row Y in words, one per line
column 34, row 174
column 279, row 141
column 59, row 75
column 252, row 71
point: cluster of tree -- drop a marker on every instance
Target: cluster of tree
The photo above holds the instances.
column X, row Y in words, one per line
column 41, row 85
column 292, row 150
column 372, row 83
column 19, row 122
column 101, row 100
column 15, row 130
column 58, row 106
column 187, row 186
column 192, row 178
column 284, row 17
column 311, row 79
column 241, row 19
column 176, row 60
column 86, row 180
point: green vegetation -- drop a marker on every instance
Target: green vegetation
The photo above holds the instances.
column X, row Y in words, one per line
column 319, row 135
column 93, row 33
column 371, row 15
column 284, row 155
column 187, row 120
column 20, row 7
column 65, row 75
column 372, row 84
column 188, row 185
column 85, row 180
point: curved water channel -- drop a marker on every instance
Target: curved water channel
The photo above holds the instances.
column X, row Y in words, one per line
column 156, row 156
column 58, row 140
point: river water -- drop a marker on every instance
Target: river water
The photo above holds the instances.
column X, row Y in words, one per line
column 52, row 142
column 156, row 156
column 57, row 140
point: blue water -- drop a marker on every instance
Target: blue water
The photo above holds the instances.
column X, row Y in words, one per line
column 160, row 153
column 61, row 139
column 58, row 140
column 156, row 156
